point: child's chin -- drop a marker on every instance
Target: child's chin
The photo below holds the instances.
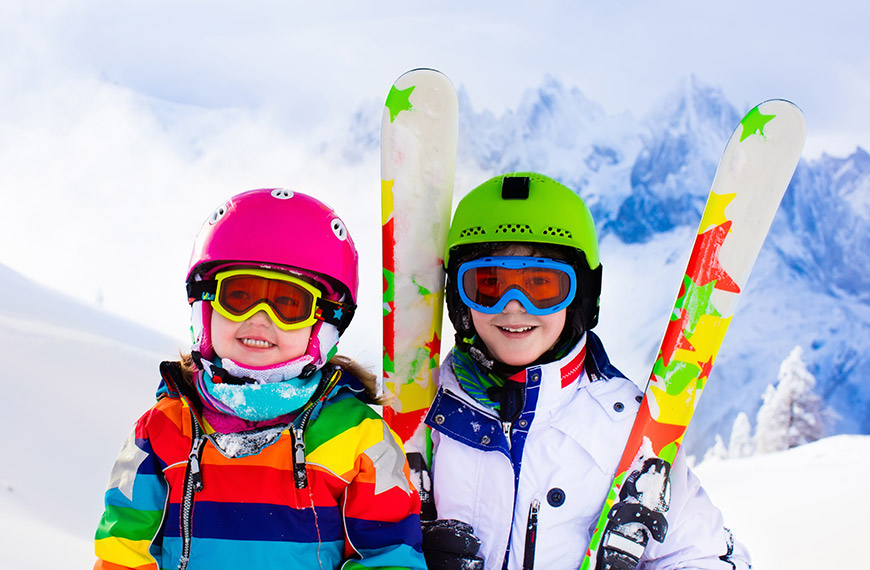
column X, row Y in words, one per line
column 519, row 359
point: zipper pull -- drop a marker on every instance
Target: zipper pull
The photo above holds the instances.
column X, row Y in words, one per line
column 507, row 428
column 299, row 474
column 531, row 536
column 193, row 459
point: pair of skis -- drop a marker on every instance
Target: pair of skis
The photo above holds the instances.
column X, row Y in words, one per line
column 418, row 151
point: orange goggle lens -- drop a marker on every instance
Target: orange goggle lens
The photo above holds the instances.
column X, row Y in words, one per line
column 541, row 286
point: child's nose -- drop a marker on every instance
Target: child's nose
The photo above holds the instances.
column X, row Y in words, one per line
column 514, row 306
column 260, row 318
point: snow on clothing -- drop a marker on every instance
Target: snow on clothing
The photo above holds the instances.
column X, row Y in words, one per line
column 563, row 451
column 356, row 511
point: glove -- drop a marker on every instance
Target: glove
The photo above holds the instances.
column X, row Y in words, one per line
column 422, row 480
column 449, row 544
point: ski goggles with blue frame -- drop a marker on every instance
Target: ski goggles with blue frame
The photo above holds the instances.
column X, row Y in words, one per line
column 542, row 286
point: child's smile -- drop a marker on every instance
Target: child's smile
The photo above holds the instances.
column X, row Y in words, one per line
column 516, row 337
column 256, row 341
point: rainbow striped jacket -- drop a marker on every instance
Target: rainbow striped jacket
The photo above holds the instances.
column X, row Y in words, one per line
column 180, row 497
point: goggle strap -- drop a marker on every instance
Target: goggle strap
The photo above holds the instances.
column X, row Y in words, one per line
column 334, row 312
column 201, row 290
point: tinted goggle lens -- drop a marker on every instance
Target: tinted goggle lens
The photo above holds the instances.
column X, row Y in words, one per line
column 289, row 301
column 542, row 285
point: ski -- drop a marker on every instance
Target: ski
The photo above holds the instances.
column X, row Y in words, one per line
column 753, row 174
column 419, row 135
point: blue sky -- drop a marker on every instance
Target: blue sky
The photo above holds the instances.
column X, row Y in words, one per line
column 122, row 123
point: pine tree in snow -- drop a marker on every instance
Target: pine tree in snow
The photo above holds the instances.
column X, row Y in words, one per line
column 740, row 444
column 718, row 451
column 791, row 413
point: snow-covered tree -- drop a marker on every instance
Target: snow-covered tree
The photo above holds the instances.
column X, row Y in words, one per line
column 740, row 444
column 718, row 451
column 791, row 413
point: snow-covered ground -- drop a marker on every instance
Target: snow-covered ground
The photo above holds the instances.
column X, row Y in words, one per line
column 75, row 378
column 28, row 543
column 800, row 509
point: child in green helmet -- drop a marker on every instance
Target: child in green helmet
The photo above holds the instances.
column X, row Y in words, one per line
column 531, row 418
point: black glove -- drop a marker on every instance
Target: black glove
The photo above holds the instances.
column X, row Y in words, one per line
column 449, row 544
column 422, row 480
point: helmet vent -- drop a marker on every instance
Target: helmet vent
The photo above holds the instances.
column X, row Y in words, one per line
column 218, row 213
column 475, row 231
column 557, row 232
column 513, row 229
column 282, row 194
column 338, row 229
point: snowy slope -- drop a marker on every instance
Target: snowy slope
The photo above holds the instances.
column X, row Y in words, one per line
column 74, row 380
column 31, row 543
column 799, row 509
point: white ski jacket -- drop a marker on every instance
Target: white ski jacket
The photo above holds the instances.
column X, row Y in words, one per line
column 562, row 452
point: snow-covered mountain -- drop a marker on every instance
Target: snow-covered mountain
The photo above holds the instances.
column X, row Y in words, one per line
column 646, row 181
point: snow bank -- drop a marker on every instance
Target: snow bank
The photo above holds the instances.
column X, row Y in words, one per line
column 799, row 509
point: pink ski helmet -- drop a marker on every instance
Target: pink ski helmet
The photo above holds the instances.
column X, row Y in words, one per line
column 281, row 229
column 276, row 229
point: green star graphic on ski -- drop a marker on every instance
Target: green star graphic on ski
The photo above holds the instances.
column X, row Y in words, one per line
column 677, row 375
column 389, row 290
column 753, row 123
column 399, row 100
column 696, row 302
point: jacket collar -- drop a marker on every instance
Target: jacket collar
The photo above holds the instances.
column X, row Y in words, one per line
column 546, row 385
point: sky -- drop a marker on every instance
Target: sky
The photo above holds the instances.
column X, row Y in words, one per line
column 124, row 123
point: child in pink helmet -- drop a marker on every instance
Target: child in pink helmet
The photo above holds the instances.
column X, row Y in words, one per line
column 261, row 451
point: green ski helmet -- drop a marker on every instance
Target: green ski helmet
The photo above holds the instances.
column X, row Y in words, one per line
column 525, row 208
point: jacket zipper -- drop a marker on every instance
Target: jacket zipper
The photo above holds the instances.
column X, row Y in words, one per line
column 297, row 430
column 192, row 485
column 300, row 476
column 507, row 429
column 531, row 536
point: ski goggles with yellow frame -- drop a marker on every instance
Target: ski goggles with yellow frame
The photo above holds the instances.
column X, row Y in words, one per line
column 291, row 302
column 543, row 286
